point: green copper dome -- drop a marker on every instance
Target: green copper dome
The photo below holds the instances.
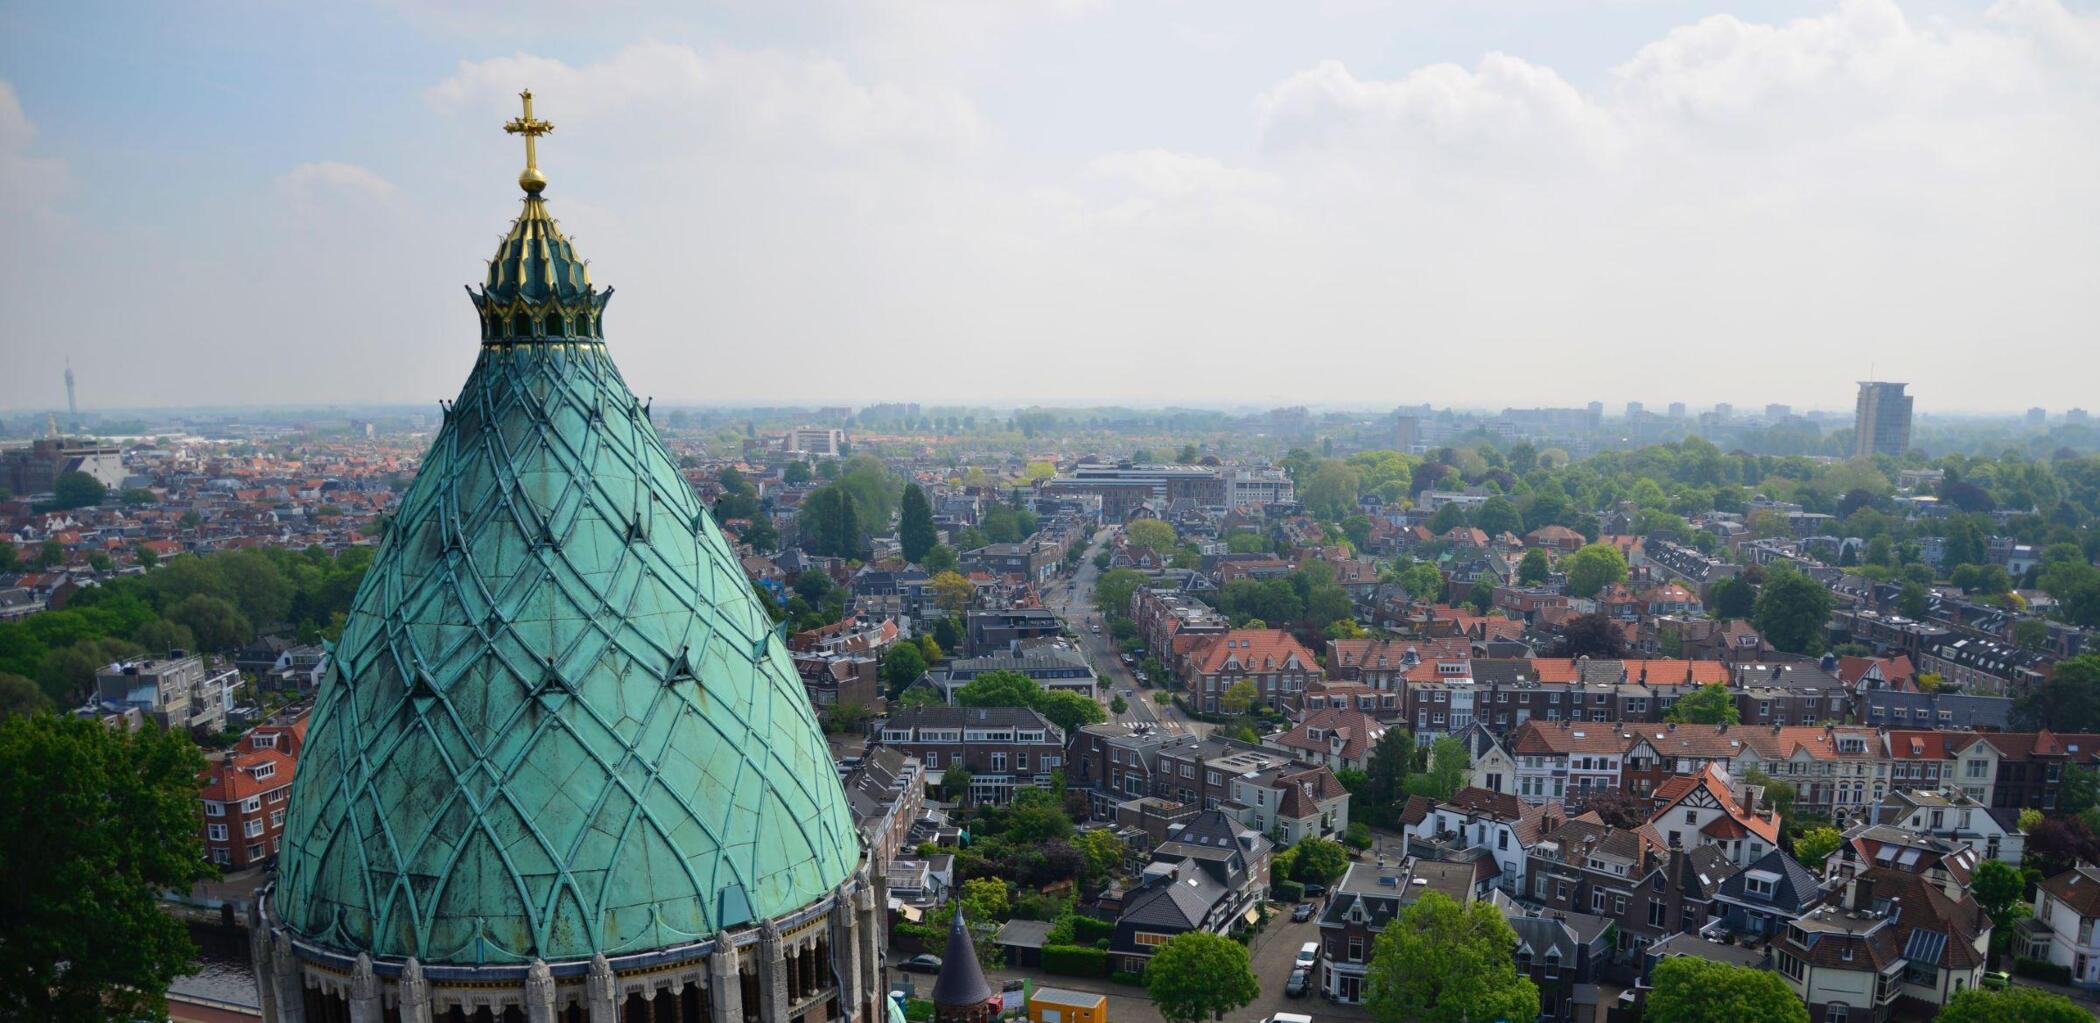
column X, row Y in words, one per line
column 559, row 721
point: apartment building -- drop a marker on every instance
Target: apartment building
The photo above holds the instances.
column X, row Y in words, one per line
column 1002, row 748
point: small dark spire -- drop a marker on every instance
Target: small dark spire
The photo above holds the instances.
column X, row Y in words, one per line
column 961, row 983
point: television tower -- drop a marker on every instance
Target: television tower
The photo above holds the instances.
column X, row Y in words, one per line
column 72, row 407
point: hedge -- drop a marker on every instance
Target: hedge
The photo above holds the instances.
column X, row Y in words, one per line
column 1086, row 930
column 1127, row 977
column 2041, row 969
column 1075, row 961
column 1287, row 891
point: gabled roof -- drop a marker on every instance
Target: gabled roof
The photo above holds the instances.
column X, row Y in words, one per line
column 1253, row 651
column 2078, row 888
column 1356, row 730
column 1714, row 782
column 1794, row 887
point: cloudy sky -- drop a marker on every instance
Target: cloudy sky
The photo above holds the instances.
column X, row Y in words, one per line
column 1475, row 202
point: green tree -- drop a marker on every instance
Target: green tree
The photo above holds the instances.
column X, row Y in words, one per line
column 1422, row 581
column 2067, row 701
column 1392, row 757
column 2011, row 1005
column 1998, row 886
column 50, row 554
column 1792, row 611
column 1448, row 517
column 915, row 532
column 955, row 783
column 100, row 822
column 1913, row 600
column 1733, row 597
column 1319, row 860
column 940, row 558
column 1497, row 516
column 216, row 623
column 1448, row 762
column 1534, row 568
column 1593, row 568
column 20, row 695
column 66, row 674
column 1481, row 596
column 761, row 535
column 1706, row 705
column 1330, row 491
column 1113, row 590
column 1069, row 710
column 1440, row 962
column 1693, row 990
column 952, row 592
column 1200, row 976
column 2079, row 790
column 2076, row 587
column 2030, row 634
column 795, row 474
column 1150, row 533
column 1102, row 852
column 76, row 489
column 1118, row 706
column 902, row 666
column 999, row 689
column 1239, row 697
column 1815, row 845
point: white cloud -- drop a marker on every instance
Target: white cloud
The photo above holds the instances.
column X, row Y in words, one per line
column 724, row 97
column 32, row 183
column 1504, row 106
column 922, row 200
column 328, row 178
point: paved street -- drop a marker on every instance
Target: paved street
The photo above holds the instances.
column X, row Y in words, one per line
column 1073, row 601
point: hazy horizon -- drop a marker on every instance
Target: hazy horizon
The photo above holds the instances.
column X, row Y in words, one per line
column 1346, row 204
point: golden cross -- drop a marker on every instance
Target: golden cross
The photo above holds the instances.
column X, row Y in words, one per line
column 532, row 128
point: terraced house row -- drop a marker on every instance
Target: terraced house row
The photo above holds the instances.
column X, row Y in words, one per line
column 1839, row 770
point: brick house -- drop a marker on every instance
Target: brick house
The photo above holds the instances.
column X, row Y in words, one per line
column 1002, row 748
column 1272, row 659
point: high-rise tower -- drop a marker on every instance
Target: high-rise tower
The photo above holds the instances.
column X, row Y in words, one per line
column 562, row 767
column 72, row 407
column 1881, row 419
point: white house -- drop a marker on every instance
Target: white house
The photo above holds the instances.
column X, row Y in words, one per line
column 1951, row 814
column 2066, row 907
column 1504, row 827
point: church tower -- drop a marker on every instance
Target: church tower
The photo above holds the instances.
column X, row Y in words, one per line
column 562, row 768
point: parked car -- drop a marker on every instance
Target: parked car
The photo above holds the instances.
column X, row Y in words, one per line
column 1301, row 979
column 1302, row 913
column 922, row 963
column 1316, row 890
column 1997, row 980
column 1307, row 954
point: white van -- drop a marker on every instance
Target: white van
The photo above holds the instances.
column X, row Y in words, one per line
column 1289, row 1017
column 1308, row 952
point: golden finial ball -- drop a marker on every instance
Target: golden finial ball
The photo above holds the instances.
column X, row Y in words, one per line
column 532, row 180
